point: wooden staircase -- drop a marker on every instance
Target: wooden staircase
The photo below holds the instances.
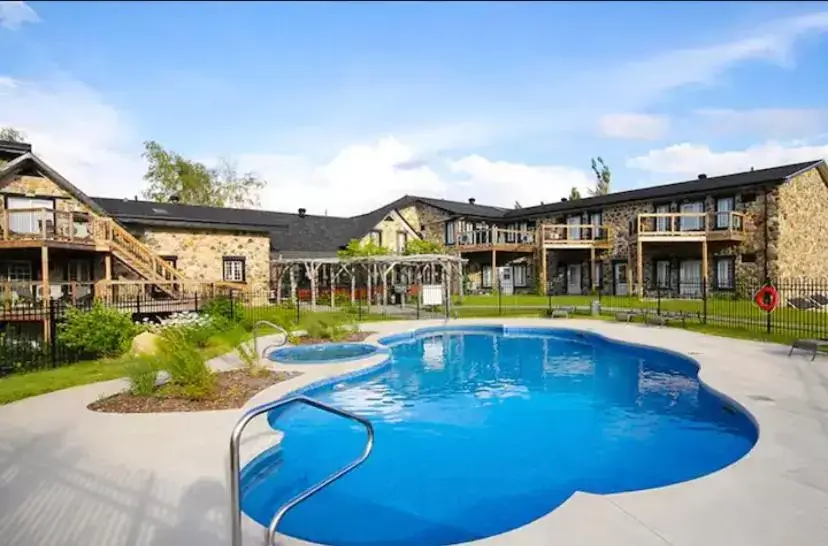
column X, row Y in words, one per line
column 139, row 258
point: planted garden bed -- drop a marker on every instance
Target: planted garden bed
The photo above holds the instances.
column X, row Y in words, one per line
column 231, row 391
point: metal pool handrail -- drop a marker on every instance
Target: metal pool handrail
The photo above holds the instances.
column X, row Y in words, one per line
column 256, row 337
column 235, row 466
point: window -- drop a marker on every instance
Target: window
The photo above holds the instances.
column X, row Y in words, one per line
column 519, row 275
column 595, row 222
column 662, row 222
column 487, row 276
column 17, row 271
column 662, row 268
column 724, row 206
column 375, row 236
column 449, row 238
column 694, row 219
column 724, row 273
column 573, row 230
column 30, row 221
column 171, row 260
column 233, row 269
column 402, row 240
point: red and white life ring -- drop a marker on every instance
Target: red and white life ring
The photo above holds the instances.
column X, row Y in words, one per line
column 767, row 298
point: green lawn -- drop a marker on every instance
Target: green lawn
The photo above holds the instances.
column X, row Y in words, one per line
column 17, row 387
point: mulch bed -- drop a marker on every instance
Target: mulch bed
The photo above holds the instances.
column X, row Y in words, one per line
column 233, row 389
column 356, row 336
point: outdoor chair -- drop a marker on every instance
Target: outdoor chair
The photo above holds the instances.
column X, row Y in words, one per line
column 560, row 312
column 821, row 299
column 802, row 304
column 813, row 345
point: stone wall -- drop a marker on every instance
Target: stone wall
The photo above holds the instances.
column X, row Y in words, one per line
column 802, row 244
column 390, row 226
column 38, row 186
column 199, row 252
column 428, row 221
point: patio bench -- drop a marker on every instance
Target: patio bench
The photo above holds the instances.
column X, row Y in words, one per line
column 813, row 345
column 561, row 312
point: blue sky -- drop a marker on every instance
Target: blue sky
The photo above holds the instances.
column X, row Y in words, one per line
column 344, row 106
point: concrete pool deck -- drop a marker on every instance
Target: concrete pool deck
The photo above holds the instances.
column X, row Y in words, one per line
column 70, row 476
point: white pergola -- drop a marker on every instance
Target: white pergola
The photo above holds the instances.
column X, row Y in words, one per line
column 377, row 269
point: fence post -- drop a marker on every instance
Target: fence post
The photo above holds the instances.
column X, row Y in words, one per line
column 232, row 306
column 137, row 304
column 419, row 295
column 768, row 320
column 53, row 332
column 196, row 302
column 704, row 300
column 658, row 297
column 549, row 302
column 499, row 295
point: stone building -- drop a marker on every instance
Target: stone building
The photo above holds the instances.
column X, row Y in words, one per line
column 711, row 231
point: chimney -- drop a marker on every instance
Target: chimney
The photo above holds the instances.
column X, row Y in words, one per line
column 702, row 176
column 174, row 198
column 134, row 197
column 302, row 213
column 751, row 168
column 563, row 200
column 471, row 200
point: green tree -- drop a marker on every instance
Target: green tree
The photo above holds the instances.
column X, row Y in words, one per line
column 574, row 194
column 358, row 249
column 168, row 174
column 602, row 177
column 10, row 134
column 423, row 246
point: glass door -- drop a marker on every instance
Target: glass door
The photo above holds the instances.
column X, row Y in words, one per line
column 694, row 222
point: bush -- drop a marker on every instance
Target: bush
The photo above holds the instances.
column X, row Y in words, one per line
column 142, row 373
column 197, row 329
column 283, row 317
column 186, row 366
column 221, row 307
column 17, row 355
column 330, row 326
column 100, row 331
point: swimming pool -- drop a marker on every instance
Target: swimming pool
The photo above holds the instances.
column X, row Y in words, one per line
column 322, row 353
column 483, row 430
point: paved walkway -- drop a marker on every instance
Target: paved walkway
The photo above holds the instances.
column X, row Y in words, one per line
column 69, row 476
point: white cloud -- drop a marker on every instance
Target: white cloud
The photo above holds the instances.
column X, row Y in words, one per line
column 502, row 182
column 764, row 123
column 13, row 15
column 692, row 159
column 634, row 126
column 76, row 131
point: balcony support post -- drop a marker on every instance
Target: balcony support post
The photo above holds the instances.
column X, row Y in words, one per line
column 592, row 278
column 47, row 293
column 639, row 268
column 704, row 263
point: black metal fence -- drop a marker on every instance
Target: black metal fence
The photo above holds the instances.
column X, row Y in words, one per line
column 30, row 333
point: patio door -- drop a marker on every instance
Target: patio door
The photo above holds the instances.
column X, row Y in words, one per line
column 663, row 222
column 692, row 223
column 690, row 278
column 573, row 279
column 28, row 221
column 78, row 271
column 724, row 206
column 574, row 231
column 619, row 278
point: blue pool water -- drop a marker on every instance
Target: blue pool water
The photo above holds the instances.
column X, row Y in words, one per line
column 480, row 432
column 327, row 352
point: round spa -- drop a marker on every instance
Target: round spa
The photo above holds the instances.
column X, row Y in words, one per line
column 322, row 353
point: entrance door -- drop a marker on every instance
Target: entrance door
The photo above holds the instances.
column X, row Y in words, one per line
column 28, row 221
column 573, row 279
column 619, row 276
column 507, row 285
column 79, row 272
column 690, row 278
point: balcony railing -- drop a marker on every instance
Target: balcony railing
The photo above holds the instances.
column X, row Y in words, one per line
column 576, row 235
column 44, row 224
column 667, row 225
column 494, row 236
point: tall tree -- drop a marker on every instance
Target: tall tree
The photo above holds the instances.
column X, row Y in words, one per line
column 574, row 194
column 169, row 174
column 602, row 177
column 10, row 134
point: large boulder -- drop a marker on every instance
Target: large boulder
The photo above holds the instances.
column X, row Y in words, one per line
column 145, row 343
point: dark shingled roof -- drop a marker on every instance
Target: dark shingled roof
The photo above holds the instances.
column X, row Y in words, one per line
column 699, row 185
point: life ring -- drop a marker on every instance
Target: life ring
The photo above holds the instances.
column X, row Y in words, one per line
column 767, row 298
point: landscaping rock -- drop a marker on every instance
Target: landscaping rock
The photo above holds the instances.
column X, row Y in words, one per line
column 145, row 343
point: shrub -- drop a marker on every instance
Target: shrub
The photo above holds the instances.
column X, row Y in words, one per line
column 248, row 356
column 185, row 364
column 142, row 373
column 100, row 331
column 221, row 306
column 283, row 317
column 331, row 326
column 197, row 329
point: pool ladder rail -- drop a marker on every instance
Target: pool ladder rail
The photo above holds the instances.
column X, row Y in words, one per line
column 272, row 345
column 235, row 465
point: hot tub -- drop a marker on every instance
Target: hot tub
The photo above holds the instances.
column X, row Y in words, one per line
column 323, row 353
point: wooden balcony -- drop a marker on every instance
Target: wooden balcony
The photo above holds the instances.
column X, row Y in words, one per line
column 690, row 226
column 497, row 239
column 37, row 227
column 576, row 236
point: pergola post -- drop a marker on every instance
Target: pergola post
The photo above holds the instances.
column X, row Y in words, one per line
column 370, row 285
column 353, row 284
column 385, row 273
column 460, row 288
column 312, row 269
column 293, row 286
